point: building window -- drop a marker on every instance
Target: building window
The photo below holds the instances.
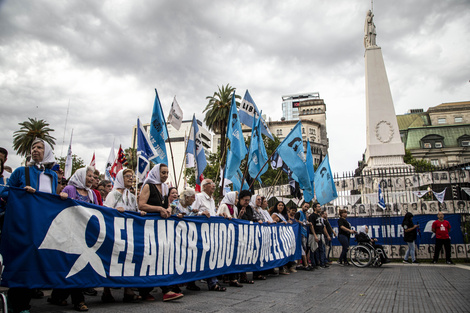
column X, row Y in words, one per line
column 465, row 143
column 435, row 162
column 441, row 121
column 311, row 131
column 303, row 130
column 427, row 145
column 432, row 141
column 438, row 144
column 279, row 132
column 458, row 119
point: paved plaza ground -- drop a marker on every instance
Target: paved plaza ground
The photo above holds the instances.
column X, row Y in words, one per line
column 394, row 287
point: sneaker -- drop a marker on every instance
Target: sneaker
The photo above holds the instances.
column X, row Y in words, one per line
column 292, row 269
column 415, row 262
column 406, row 262
column 172, row 296
column 450, row 262
column 340, row 264
column 309, row 268
column 324, row 266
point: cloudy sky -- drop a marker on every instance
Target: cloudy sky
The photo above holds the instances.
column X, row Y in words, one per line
column 106, row 58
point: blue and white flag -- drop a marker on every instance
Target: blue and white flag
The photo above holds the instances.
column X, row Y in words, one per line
column 196, row 149
column 325, row 188
column 248, row 110
column 145, row 152
column 257, row 156
column 238, row 149
column 74, row 244
column 292, row 153
column 237, row 181
column 311, row 172
column 381, row 202
column 158, row 132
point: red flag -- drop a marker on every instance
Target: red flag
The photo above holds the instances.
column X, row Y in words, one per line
column 198, row 187
column 119, row 163
column 92, row 163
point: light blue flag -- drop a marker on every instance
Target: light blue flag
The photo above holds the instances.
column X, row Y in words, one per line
column 145, row 151
column 311, row 172
column 158, row 132
column 237, row 181
column 237, row 142
column 195, row 148
column 292, row 153
column 325, row 188
column 257, row 155
column 248, row 110
column 381, row 202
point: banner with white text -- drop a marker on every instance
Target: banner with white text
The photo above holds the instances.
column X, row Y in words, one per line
column 52, row 243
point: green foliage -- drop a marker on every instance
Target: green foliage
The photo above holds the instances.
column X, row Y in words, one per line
column 30, row 130
column 77, row 162
column 419, row 165
column 217, row 113
column 131, row 157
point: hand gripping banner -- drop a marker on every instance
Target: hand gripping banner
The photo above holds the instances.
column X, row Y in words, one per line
column 52, row 243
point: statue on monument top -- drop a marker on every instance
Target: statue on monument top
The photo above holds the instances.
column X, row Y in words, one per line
column 369, row 30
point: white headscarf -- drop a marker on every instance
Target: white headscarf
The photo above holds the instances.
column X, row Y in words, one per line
column 78, row 180
column 48, row 160
column 253, row 201
column 154, row 178
column 230, row 198
column 362, row 229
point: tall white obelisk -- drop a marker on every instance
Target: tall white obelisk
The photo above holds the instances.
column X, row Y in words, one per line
column 384, row 146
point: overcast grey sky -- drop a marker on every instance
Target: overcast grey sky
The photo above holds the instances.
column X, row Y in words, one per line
column 106, row 58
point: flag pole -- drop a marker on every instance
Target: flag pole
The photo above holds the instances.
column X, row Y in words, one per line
column 184, row 158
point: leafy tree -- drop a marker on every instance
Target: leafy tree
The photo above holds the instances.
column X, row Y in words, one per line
column 30, row 130
column 131, row 157
column 419, row 165
column 217, row 114
column 77, row 162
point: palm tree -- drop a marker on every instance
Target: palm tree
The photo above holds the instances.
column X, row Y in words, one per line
column 30, row 130
column 217, row 114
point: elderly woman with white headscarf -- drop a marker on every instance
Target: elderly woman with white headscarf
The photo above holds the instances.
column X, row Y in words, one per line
column 121, row 198
column 154, row 199
column 154, row 194
column 79, row 187
column 255, row 204
column 228, row 205
column 36, row 176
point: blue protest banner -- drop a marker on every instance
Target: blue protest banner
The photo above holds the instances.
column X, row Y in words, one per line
column 52, row 243
column 388, row 230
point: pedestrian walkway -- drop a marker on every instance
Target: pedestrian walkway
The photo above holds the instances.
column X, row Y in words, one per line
column 395, row 287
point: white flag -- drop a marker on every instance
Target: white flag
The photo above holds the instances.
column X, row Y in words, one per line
column 68, row 160
column 420, row 193
column 110, row 162
column 440, row 195
column 176, row 115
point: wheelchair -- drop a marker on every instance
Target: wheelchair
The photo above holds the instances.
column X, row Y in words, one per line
column 3, row 298
column 365, row 254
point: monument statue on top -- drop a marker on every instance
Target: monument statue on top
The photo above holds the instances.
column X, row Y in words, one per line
column 369, row 30
column 385, row 150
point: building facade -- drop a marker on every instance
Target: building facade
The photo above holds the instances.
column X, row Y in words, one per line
column 441, row 135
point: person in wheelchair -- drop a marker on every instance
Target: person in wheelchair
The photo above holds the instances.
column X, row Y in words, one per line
column 362, row 237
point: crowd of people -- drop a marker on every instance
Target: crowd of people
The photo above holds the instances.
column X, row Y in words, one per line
column 155, row 196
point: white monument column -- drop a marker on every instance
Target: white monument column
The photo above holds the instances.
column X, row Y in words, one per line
column 384, row 146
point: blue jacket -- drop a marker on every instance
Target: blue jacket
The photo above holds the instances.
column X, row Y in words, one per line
column 18, row 179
